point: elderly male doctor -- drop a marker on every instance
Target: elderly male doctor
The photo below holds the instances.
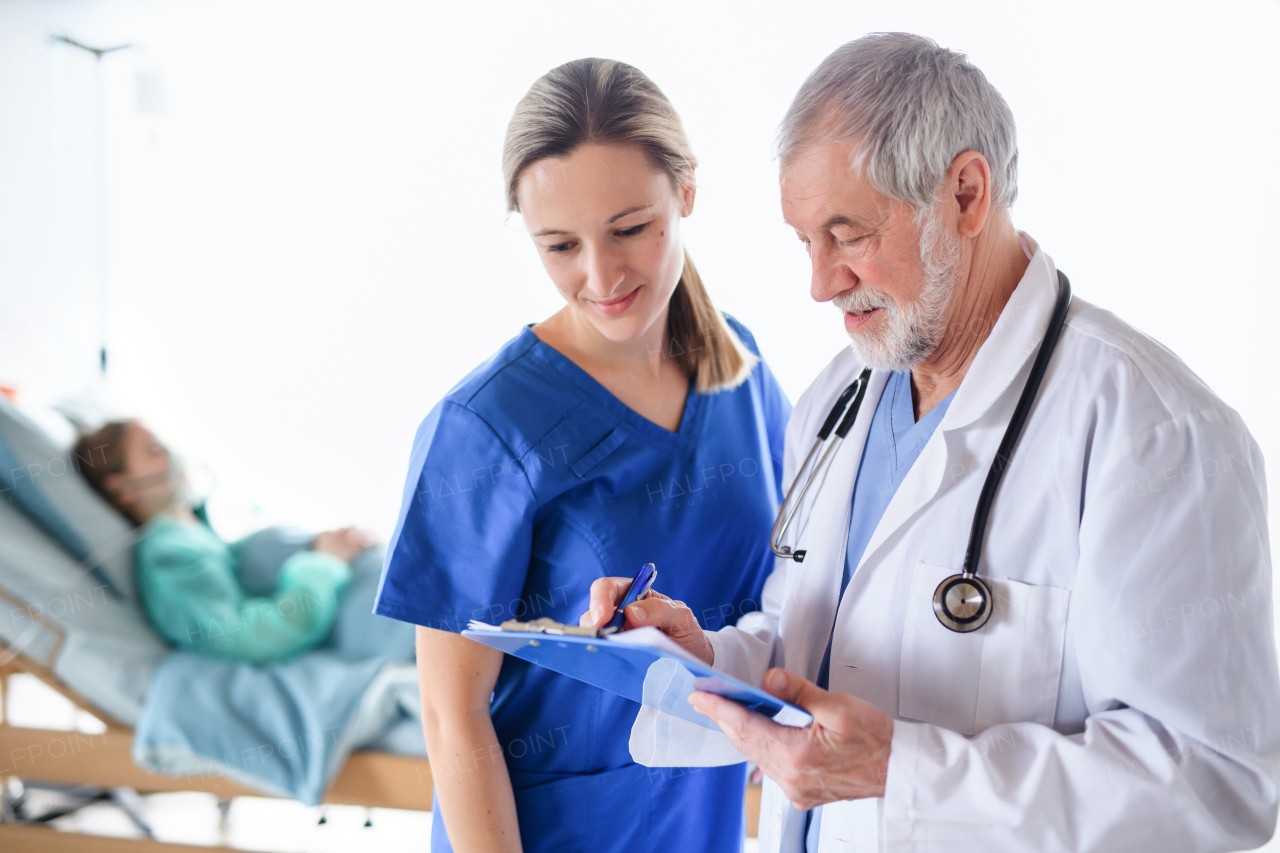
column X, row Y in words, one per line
column 1123, row 695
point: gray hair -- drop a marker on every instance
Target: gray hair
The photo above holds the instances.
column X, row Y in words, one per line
column 910, row 107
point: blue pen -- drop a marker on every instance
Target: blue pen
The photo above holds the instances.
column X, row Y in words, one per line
column 644, row 579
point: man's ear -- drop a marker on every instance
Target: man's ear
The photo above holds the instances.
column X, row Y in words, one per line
column 969, row 180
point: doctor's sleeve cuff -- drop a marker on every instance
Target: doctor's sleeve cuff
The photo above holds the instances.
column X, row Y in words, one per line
column 744, row 651
column 924, row 758
column 898, row 815
column 720, row 654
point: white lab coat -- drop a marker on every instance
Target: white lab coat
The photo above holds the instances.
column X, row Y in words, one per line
column 1124, row 695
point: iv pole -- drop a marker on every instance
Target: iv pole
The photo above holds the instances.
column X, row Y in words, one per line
column 101, row 187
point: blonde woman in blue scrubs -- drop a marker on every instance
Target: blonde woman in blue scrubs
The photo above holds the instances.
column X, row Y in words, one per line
column 635, row 425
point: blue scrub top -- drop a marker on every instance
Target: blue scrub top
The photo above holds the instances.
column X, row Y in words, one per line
column 526, row 483
column 895, row 441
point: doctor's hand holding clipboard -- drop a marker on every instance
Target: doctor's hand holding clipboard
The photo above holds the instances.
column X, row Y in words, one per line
column 842, row 755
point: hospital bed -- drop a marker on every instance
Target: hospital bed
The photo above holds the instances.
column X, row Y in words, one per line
column 70, row 618
column 103, row 761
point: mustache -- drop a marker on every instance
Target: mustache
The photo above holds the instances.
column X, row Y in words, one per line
column 860, row 300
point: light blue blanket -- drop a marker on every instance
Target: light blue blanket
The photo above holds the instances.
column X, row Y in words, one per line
column 287, row 728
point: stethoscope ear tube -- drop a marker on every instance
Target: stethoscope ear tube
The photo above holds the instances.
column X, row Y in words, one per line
column 963, row 602
column 852, row 414
column 855, row 387
column 855, row 391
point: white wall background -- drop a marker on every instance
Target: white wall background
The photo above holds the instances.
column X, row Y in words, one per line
column 307, row 245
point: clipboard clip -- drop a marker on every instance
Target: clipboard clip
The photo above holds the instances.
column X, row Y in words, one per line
column 547, row 625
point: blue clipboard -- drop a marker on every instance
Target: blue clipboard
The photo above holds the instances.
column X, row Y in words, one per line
column 635, row 665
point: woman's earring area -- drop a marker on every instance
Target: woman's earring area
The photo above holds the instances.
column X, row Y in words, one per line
column 962, row 603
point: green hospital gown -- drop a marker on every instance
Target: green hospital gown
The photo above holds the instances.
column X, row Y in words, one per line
column 188, row 584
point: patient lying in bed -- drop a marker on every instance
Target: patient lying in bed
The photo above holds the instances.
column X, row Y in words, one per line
column 187, row 575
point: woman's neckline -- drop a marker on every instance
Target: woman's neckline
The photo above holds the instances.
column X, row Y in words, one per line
column 585, row 381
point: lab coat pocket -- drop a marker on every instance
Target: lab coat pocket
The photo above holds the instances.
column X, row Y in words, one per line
column 1008, row 671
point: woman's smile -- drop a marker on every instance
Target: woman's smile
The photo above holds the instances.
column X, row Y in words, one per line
column 617, row 305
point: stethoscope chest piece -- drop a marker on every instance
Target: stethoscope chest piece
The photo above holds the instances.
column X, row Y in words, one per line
column 962, row 603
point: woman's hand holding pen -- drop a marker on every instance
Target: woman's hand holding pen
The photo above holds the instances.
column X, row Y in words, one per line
column 673, row 618
column 842, row 755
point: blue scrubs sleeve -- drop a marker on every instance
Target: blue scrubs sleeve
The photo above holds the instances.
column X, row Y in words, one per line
column 777, row 412
column 462, row 546
column 774, row 405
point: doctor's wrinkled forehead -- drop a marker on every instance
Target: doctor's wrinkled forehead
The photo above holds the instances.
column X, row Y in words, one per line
column 907, row 108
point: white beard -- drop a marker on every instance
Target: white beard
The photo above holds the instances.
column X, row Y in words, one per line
column 909, row 333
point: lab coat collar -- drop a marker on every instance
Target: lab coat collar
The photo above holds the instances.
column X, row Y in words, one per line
column 1014, row 338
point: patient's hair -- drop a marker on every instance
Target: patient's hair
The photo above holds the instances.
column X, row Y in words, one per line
column 101, row 453
column 607, row 102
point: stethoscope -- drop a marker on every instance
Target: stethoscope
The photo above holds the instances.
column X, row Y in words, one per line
column 962, row 602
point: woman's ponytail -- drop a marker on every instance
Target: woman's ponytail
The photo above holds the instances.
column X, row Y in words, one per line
column 701, row 342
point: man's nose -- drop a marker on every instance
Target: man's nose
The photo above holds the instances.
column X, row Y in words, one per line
column 829, row 277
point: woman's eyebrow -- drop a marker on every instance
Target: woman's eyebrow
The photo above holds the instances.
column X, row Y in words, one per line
column 630, row 210
column 627, row 212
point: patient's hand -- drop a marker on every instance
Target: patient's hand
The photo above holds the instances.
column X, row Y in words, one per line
column 346, row 543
